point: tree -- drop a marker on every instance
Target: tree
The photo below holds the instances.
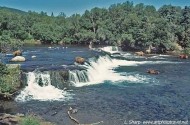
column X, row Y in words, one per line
column 134, row 26
column 185, row 22
column 52, row 15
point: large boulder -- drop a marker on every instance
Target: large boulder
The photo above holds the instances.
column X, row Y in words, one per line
column 140, row 53
column 80, row 60
column 17, row 53
column 183, row 56
column 18, row 59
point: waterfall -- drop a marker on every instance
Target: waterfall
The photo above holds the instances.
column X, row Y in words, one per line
column 111, row 49
column 42, row 79
column 101, row 69
column 77, row 76
column 98, row 70
column 39, row 88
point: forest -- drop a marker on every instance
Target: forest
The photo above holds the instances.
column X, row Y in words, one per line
column 125, row 24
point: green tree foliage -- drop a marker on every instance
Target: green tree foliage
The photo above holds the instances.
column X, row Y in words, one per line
column 136, row 26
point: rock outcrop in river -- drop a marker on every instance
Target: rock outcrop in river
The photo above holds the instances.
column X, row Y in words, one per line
column 18, row 59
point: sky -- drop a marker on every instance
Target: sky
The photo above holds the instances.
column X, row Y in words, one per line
column 70, row 7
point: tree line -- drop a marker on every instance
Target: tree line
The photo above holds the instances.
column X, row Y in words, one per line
column 125, row 24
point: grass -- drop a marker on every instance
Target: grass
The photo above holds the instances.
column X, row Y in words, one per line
column 33, row 120
column 30, row 120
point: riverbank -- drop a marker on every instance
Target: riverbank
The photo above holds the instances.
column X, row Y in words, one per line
column 21, row 119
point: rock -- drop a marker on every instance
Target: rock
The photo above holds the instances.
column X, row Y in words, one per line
column 70, row 108
column 153, row 71
column 1, row 108
column 20, row 115
column 183, row 56
column 18, row 59
column 6, row 96
column 7, row 119
column 17, row 53
column 80, row 60
column 140, row 53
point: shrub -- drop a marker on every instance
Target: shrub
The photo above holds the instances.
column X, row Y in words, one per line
column 10, row 79
column 3, row 69
column 186, row 51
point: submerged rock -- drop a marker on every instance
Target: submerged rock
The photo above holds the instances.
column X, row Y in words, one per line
column 18, row 59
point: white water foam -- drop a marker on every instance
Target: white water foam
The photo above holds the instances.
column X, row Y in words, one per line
column 8, row 54
column 77, row 51
column 111, row 49
column 164, row 55
column 99, row 71
column 136, row 63
column 137, row 78
column 102, row 69
column 36, row 92
column 157, row 57
column 160, row 56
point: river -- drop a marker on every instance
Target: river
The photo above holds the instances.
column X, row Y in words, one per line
column 112, row 86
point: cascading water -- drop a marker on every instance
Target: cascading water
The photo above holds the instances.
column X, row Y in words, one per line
column 102, row 69
column 39, row 88
column 77, row 76
column 96, row 71
column 111, row 49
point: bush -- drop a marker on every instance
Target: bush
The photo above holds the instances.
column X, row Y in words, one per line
column 5, row 88
column 10, row 79
column 186, row 51
column 30, row 120
column 3, row 69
